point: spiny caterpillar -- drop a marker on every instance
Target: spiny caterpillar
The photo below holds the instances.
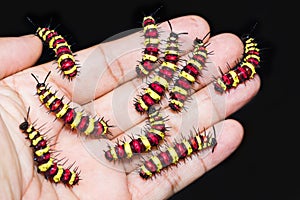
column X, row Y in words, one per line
column 243, row 71
column 151, row 51
column 84, row 123
column 188, row 75
column 162, row 77
column 65, row 58
column 144, row 143
column 46, row 163
column 179, row 151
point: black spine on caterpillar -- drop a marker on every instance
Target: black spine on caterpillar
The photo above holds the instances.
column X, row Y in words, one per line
column 77, row 120
column 144, row 143
column 179, row 151
column 181, row 89
column 46, row 163
column 162, row 77
column 65, row 58
column 150, row 58
column 243, row 71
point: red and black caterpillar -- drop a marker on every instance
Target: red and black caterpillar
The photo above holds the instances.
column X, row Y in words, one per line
column 179, row 151
column 83, row 123
column 46, row 163
column 243, row 71
column 144, row 143
column 151, row 51
column 63, row 53
column 188, row 75
column 162, row 77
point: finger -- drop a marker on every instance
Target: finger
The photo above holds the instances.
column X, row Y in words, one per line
column 170, row 181
column 109, row 64
column 227, row 48
column 18, row 53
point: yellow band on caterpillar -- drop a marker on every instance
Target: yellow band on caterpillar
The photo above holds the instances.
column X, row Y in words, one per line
column 150, row 26
column 128, row 150
column 173, row 154
column 256, row 57
column 44, row 167
column 157, row 163
column 63, row 44
column 76, row 120
column 70, row 71
column 90, row 127
column 65, row 56
column 179, row 90
column 188, row 147
column 42, row 151
column 149, row 57
column 60, row 171
column 43, row 96
column 157, row 132
column 234, row 77
column 152, row 41
column 169, row 65
column 146, row 171
column 113, row 153
column 72, row 179
column 199, row 142
column 196, row 64
column 161, row 81
column 176, row 102
column 32, row 134
column 252, row 67
column 50, row 101
column 142, row 104
column 187, row 76
column 146, row 142
column 172, row 52
column 222, row 84
column 53, row 39
column 144, row 71
column 105, row 127
column 37, row 140
column 63, row 111
column 46, row 33
column 153, row 94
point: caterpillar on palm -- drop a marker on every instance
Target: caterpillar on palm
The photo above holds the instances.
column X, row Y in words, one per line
column 65, row 57
column 162, row 160
column 144, row 143
column 150, row 58
column 243, row 71
column 45, row 161
column 188, row 75
column 77, row 120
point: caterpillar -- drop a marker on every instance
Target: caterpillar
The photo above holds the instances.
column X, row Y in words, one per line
column 151, row 50
column 46, row 163
column 179, row 151
column 144, row 143
column 188, row 75
column 243, row 71
column 84, row 123
column 160, row 82
column 68, row 65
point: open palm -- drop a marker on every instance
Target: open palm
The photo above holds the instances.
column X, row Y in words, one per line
column 106, row 87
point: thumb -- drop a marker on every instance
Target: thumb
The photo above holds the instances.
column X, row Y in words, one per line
column 18, row 53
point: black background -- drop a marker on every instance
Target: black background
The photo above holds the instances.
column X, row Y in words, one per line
column 263, row 167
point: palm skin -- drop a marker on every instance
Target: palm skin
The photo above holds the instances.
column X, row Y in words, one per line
column 111, row 92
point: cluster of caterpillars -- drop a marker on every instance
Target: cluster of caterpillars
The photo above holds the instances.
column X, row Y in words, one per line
column 165, row 76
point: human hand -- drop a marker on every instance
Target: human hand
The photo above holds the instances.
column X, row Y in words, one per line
column 112, row 89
